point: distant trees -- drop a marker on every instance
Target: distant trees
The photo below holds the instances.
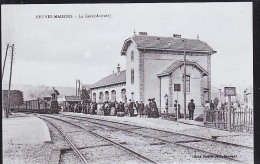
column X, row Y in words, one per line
column 16, row 98
column 85, row 96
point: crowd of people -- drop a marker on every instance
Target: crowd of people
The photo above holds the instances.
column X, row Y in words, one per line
column 107, row 108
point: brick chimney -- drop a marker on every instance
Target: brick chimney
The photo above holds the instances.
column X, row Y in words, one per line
column 118, row 68
column 176, row 36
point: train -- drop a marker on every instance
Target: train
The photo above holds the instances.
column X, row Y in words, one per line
column 45, row 105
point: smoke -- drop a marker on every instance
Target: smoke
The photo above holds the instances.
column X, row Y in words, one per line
column 40, row 92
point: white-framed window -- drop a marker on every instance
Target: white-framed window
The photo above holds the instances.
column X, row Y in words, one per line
column 132, row 55
column 187, row 83
column 132, row 76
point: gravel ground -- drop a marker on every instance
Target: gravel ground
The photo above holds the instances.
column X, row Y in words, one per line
column 241, row 154
column 26, row 153
column 108, row 155
column 94, row 148
column 157, row 150
column 140, row 144
column 152, row 148
column 59, row 142
column 157, row 123
column 69, row 157
column 15, row 151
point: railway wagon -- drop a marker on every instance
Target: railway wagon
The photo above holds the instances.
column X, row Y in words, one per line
column 47, row 105
column 42, row 106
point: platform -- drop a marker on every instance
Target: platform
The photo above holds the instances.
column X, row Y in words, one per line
column 25, row 129
column 26, row 139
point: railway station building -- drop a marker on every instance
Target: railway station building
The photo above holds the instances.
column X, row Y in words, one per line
column 154, row 65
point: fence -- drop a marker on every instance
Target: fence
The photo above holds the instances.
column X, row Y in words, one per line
column 241, row 119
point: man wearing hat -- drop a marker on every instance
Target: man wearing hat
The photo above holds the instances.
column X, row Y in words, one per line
column 191, row 108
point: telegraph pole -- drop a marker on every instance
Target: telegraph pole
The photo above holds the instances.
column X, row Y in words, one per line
column 76, row 87
column 184, row 88
column 10, row 81
column 5, row 60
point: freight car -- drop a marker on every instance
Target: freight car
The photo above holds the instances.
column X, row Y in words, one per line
column 46, row 105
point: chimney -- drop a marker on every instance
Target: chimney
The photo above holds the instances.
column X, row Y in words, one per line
column 176, row 35
column 169, row 43
column 143, row 33
column 118, row 68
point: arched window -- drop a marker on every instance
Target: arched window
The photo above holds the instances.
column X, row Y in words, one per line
column 123, row 95
column 132, row 55
column 113, row 96
column 101, row 97
column 106, row 96
column 132, row 76
column 187, row 83
column 94, row 97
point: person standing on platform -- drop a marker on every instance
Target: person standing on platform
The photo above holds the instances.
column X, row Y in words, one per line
column 211, row 105
column 155, row 112
column 141, row 109
column 191, row 108
column 131, row 108
column 137, row 107
column 94, row 108
column 177, row 108
column 148, row 108
column 126, row 105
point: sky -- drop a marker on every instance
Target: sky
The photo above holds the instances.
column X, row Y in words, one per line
column 57, row 51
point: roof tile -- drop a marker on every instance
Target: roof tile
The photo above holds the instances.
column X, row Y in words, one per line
column 111, row 79
column 157, row 42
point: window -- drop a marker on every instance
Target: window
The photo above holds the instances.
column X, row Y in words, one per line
column 187, row 83
column 133, row 96
column 132, row 76
column 94, row 97
column 132, row 55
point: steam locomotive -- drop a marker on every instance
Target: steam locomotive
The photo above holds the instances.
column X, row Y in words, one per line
column 46, row 105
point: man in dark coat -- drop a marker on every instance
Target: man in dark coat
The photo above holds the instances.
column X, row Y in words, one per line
column 141, row 109
column 149, row 113
column 211, row 105
column 131, row 108
column 191, row 108
column 94, row 108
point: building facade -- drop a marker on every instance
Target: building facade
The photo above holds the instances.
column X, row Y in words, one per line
column 111, row 88
column 155, row 64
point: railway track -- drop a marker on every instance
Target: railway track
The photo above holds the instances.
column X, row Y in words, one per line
column 183, row 143
column 73, row 147
column 83, row 159
column 174, row 133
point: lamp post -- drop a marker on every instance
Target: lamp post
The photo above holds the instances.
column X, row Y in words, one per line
column 184, row 78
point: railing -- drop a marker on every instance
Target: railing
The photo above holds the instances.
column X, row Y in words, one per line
column 241, row 119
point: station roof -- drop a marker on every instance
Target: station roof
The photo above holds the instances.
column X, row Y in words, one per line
column 115, row 78
column 72, row 98
column 179, row 63
column 166, row 43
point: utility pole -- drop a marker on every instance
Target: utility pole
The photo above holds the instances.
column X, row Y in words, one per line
column 5, row 61
column 184, row 88
column 10, row 81
column 76, row 87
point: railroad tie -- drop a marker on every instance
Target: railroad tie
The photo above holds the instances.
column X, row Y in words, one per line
column 55, row 156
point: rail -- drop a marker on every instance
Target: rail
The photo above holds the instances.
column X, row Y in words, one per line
column 143, row 158
column 82, row 158
column 166, row 141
